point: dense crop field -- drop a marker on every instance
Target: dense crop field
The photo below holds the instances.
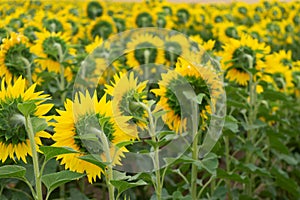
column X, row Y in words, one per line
column 151, row 100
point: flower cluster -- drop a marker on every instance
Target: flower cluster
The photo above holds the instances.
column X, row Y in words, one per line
column 56, row 48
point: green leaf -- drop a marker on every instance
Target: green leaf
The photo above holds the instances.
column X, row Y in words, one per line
column 57, row 179
column 12, row 171
column 27, row 108
column 125, row 185
column 198, row 99
column 285, row 182
column 162, row 134
column 231, row 123
column 254, row 169
column 51, row 152
column 120, row 175
column 231, row 176
column 210, row 163
column 77, row 195
column 159, row 113
column 257, row 124
column 38, row 124
column 94, row 159
column 123, row 144
column 273, row 95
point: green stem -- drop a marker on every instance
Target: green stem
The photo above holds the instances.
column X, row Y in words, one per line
column 195, row 152
column 158, row 178
column 227, row 155
column 146, row 56
column 62, row 71
column 28, row 69
column 251, row 137
column 109, row 170
column 37, row 175
column 204, row 186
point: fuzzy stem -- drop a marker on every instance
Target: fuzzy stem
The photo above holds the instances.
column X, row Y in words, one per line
column 28, row 69
column 146, row 56
column 61, row 71
column 109, row 170
column 158, row 178
column 37, row 175
column 195, row 152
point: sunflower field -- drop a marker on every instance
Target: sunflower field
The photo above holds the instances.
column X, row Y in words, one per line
column 149, row 100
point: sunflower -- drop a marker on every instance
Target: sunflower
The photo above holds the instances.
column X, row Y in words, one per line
column 235, row 60
column 94, row 9
column 143, row 49
column 173, row 88
column 125, row 92
column 282, row 69
column 175, row 46
column 103, row 27
column 15, row 57
column 142, row 16
column 52, row 49
column 14, row 141
column 75, row 128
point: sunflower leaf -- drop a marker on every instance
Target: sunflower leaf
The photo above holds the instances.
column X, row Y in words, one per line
column 12, row 171
column 51, row 152
column 125, row 185
column 57, row 179
column 38, row 124
column 94, row 159
column 123, row 144
column 27, row 108
column 198, row 99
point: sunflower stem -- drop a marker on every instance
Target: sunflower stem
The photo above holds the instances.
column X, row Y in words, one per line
column 28, row 69
column 37, row 175
column 61, row 71
column 109, row 170
column 158, row 178
column 251, row 118
column 146, row 56
column 195, row 152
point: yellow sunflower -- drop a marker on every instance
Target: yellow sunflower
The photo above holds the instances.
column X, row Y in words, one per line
column 52, row 49
column 175, row 46
column 103, row 27
column 281, row 67
column 125, row 92
column 235, row 58
column 75, row 128
column 14, row 141
column 16, row 58
column 142, row 16
column 173, row 86
column 144, row 48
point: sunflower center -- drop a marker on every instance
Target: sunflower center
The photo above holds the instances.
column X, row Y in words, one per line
column 242, row 10
column 74, row 26
column 50, row 47
column 86, row 139
column 3, row 34
column 120, row 23
column 183, row 16
column 12, row 129
column 240, row 60
column 176, row 93
column 53, row 25
column 167, row 10
column 14, row 59
column 94, row 10
column 161, row 22
column 144, row 19
column 128, row 107
column 29, row 32
column 16, row 23
column 232, row 32
column 173, row 50
column 140, row 53
column 218, row 19
column 102, row 29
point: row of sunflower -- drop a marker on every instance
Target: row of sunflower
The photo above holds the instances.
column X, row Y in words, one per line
column 88, row 83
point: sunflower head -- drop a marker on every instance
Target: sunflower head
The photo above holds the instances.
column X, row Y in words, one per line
column 126, row 93
column 241, row 55
column 14, row 141
column 94, row 9
column 144, row 48
column 103, row 27
column 15, row 56
column 85, row 125
column 177, row 90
